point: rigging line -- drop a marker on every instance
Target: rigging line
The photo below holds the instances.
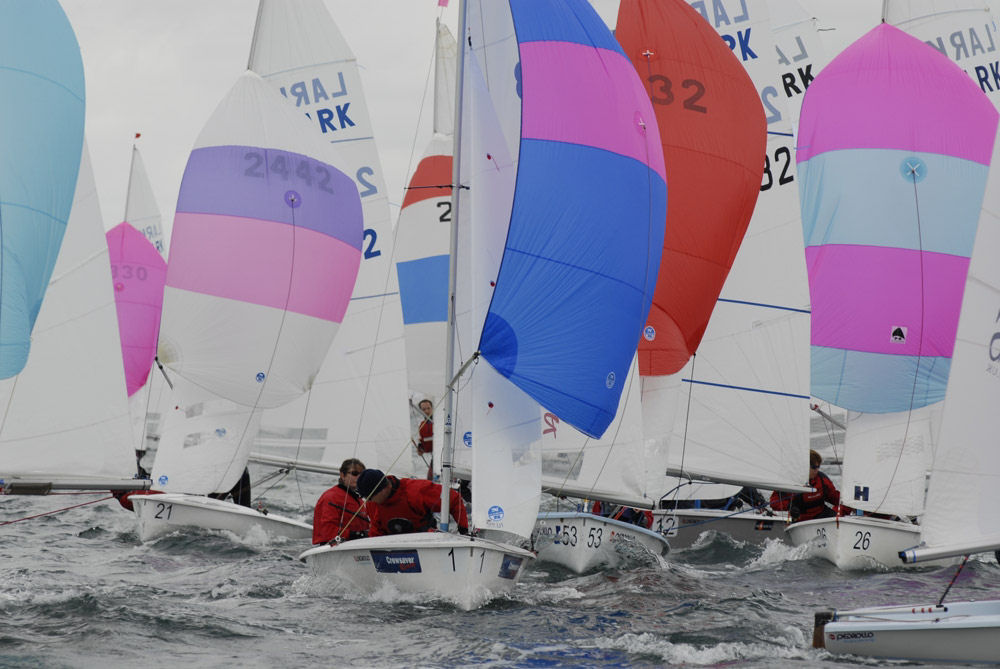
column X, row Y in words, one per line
column 614, row 439
column 687, row 420
column 420, row 116
column 953, row 579
column 49, row 513
column 279, row 475
column 298, row 446
column 920, row 340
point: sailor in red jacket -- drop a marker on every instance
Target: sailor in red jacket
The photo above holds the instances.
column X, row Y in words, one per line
column 426, row 428
column 339, row 511
column 399, row 506
column 810, row 505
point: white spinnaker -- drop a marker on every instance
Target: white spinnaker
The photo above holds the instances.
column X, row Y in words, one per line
column 877, row 475
column 204, row 337
column 141, row 210
column 964, row 30
column 965, row 477
column 358, row 401
column 67, row 412
column 749, row 400
column 799, row 49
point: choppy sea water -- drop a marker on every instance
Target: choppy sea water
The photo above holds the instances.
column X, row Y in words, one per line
column 80, row 590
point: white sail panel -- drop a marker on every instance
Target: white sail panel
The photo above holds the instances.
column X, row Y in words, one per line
column 75, row 364
column 741, row 424
column 445, row 67
column 876, row 476
column 204, row 442
column 506, row 463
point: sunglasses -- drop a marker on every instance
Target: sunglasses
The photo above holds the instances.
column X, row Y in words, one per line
column 352, row 473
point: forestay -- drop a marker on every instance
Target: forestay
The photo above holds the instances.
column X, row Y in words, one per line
column 41, row 76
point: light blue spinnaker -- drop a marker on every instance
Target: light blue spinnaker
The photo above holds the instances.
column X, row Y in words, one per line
column 41, row 140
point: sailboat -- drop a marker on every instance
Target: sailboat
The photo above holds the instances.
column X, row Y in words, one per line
column 75, row 361
column 961, row 497
column 737, row 411
column 263, row 221
column 713, row 133
column 533, row 260
column 890, row 207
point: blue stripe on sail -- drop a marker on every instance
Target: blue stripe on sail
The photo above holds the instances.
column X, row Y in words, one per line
column 881, row 383
column 950, row 194
column 567, row 21
column 423, row 289
column 41, row 74
column 577, row 278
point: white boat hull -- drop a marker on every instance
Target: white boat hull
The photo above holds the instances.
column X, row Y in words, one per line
column 684, row 526
column 857, row 542
column 583, row 541
column 162, row 514
column 956, row 632
column 467, row 571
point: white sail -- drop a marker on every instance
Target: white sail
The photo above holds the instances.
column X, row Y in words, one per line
column 358, row 402
column 141, row 210
column 965, row 31
column 75, row 365
column 877, row 475
column 800, row 51
column 747, row 417
column 961, row 499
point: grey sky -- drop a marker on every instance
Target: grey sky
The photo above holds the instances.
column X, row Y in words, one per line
column 159, row 67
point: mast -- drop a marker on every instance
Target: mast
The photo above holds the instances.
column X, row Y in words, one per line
column 448, row 447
